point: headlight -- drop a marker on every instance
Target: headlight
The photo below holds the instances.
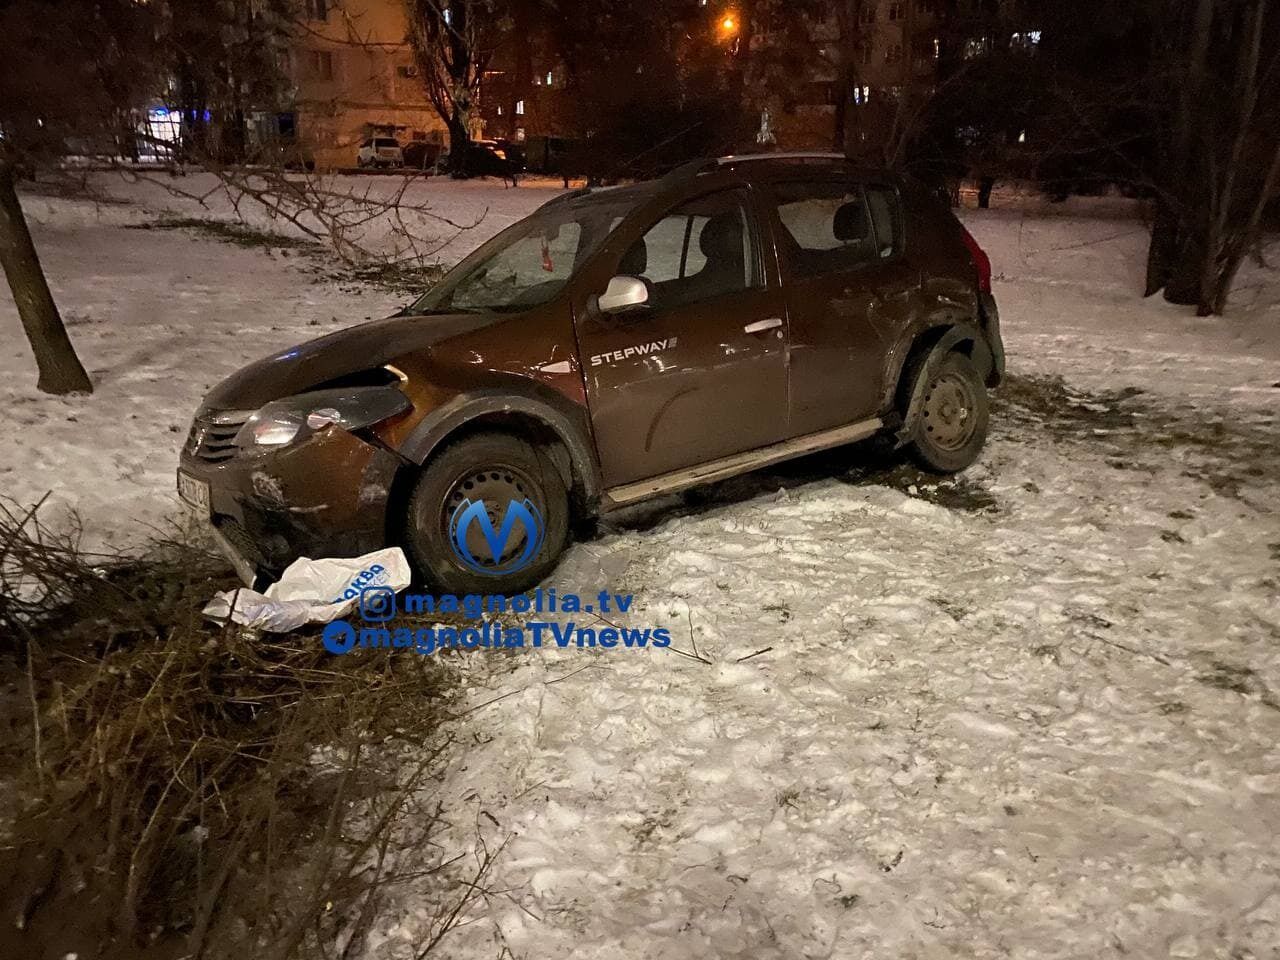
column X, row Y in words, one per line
column 284, row 421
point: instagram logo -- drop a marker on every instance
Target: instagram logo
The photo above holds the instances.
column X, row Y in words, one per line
column 377, row 604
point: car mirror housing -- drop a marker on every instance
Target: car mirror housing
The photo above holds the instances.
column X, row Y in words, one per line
column 623, row 295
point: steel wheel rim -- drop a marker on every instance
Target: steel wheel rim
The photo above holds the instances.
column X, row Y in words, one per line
column 950, row 412
column 495, row 484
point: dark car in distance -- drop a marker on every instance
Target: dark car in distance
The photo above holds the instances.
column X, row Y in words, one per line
column 617, row 345
column 490, row 158
column 421, row 154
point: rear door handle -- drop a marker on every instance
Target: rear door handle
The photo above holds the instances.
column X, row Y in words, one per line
column 762, row 325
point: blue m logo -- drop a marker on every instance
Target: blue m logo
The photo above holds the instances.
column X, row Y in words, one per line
column 502, row 558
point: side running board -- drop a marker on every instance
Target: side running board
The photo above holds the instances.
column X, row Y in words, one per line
column 738, row 463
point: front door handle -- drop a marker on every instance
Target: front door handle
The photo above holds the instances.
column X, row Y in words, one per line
column 762, row 325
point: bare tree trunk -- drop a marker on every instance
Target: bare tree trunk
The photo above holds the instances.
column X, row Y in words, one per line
column 461, row 38
column 60, row 368
column 1169, row 232
column 459, row 145
column 985, row 185
column 848, row 121
column 522, row 79
column 1163, row 247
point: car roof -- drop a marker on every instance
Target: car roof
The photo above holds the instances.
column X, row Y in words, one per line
column 770, row 165
column 763, row 166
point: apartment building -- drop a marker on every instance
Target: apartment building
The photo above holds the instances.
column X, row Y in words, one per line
column 354, row 76
column 860, row 67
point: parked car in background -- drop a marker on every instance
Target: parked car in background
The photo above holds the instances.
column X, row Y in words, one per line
column 512, row 152
column 380, row 152
column 617, row 345
column 488, row 158
column 553, row 156
column 421, row 154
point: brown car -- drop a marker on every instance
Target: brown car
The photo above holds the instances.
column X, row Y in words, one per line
column 616, row 345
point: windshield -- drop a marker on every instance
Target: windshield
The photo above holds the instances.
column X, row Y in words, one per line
column 528, row 263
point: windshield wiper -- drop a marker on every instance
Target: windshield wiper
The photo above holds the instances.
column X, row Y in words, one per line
column 439, row 311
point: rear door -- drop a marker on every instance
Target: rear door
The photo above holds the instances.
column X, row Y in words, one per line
column 700, row 373
column 849, row 292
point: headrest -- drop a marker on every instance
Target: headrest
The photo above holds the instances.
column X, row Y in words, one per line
column 850, row 223
column 636, row 260
column 722, row 236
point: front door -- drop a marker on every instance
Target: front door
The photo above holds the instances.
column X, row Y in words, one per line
column 701, row 372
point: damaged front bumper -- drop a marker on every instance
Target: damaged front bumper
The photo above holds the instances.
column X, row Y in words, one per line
column 327, row 496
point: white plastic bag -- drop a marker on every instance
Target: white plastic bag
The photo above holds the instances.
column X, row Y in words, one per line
column 312, row 591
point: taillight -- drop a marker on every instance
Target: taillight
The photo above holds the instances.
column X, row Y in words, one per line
column 980, row 260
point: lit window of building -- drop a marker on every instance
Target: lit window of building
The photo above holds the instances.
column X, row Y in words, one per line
column 520, row 108
column 1027, row 40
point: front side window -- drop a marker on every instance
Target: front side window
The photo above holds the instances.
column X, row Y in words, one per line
column 703, row 249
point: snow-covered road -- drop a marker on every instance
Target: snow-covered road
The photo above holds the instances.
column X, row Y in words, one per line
column 1031, row 712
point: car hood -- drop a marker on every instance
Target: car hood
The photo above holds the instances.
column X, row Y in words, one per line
column 316, row 362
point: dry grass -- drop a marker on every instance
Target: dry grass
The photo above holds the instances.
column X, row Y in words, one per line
column 189, row 790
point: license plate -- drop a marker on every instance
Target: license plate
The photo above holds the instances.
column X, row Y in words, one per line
column 195, row 492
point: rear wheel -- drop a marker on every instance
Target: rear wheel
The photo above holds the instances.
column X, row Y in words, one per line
column 952, row 426
column 489, row 515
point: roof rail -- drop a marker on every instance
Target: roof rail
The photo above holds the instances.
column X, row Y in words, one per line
column 567, row 195
column 784, row 155
column 695, row 167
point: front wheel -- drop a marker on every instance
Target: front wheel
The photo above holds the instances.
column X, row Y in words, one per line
column 489, row 515
column 952, row 426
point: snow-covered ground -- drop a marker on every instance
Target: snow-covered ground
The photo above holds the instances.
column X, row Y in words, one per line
column 1033, row 712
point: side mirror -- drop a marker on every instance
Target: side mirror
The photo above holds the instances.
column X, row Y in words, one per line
column 623, row 294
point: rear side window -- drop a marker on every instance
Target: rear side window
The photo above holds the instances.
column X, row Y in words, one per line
column 831, row 225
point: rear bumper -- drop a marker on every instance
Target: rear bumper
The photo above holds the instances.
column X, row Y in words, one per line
column 326, row 497
column 990, row 321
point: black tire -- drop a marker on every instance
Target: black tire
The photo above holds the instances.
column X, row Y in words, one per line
column 954, row 413
column 495, row 469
